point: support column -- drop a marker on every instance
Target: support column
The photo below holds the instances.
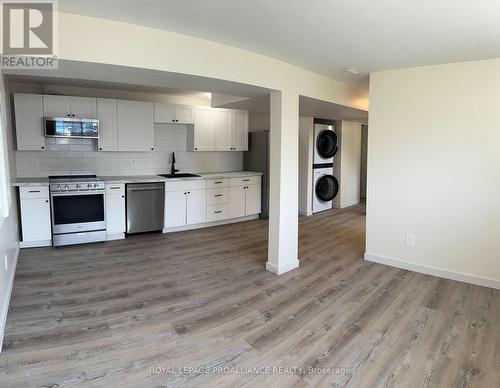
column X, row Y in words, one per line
column 283, row 172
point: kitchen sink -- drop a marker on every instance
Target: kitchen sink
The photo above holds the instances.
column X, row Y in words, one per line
column 181, row 175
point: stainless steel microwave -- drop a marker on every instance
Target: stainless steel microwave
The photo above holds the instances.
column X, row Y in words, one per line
column 71, row 127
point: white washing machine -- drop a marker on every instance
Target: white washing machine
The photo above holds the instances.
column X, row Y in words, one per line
column 325, row 189
column 325, row 143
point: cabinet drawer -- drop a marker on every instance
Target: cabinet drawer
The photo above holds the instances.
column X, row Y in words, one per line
column 117, row 188
column 33, row 192
column 217, row 196
column 214, row 183
column 247, row 180
column 199, row 184
column 216, row 213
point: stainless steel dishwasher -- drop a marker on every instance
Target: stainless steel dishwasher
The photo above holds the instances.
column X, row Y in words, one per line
column 145, row 207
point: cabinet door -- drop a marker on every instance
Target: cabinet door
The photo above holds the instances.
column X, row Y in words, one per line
column 115, row 213
column 184, row 114
column 204, row 134
column 196, row 207
column 35, row 219
column 222, row 120
column 252, row 200
column 83, row 107
column 29, row 122
column 236, row 202
column 106, row 113
column 56, row 106
column 135, row 125
column 175, row 208
column 240, row 130
column 164, row 113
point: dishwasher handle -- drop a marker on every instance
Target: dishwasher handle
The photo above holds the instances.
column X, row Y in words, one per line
column 145, row 187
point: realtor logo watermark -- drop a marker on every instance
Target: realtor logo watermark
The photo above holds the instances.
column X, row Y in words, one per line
column 29, row 32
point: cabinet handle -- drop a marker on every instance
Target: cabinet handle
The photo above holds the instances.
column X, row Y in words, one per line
column 217, row 183
column 173, row 120
column 218, row 211
column 43, row 147
column 152, row 148
column 115, row 188
column 218, row 195
column 100, row 148
column 246, row 180
column 68, row 115
column 73, row 115
column 33, row 191
column 196, row 149
column 47, row 200
column 123, row 196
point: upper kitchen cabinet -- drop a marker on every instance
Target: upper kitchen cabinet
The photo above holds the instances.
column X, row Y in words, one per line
column 28, row 110
column 239, row 130
column 174, row 113
column 201, row 136
column 68, row 106
column 231, row 130
column 135, row 125
column 108, row 126
column 223, row 133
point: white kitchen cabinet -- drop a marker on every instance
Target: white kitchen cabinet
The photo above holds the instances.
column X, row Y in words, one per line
column 135, row 125
column 174, row 113
column 115, row 211
column 108, row 126
column 185, row 203
column 239, row 130
column 201, row 136
column 83, row 107
column 69, row 106
column 223, row 132
column 35, row 217
column 56, row 106
column 185, row 207
column 196, row 207
column 236, row 202
column 175, row 209
column 245, row 200
column 28, row 110
column 252, row 199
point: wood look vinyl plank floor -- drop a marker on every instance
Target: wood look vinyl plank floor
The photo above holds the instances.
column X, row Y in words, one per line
column 197, row 308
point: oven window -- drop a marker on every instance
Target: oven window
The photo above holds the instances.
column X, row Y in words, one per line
column 76, row 209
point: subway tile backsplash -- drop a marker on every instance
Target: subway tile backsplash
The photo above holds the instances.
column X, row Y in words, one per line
column 80, row 156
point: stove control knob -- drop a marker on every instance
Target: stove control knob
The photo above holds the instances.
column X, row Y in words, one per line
column 89, row 186
column 78, row 186
column 96, row 185
column 66, row 187
column 58, row 187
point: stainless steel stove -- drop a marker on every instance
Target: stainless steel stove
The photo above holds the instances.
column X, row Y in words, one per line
column 78, row 212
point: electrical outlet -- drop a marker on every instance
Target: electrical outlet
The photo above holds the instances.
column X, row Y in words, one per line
column 6, row 262
column 410, row 239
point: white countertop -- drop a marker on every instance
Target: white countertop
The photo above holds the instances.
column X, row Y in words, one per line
column 44, row 181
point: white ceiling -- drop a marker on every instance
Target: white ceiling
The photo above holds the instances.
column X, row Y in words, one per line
column 325, row 36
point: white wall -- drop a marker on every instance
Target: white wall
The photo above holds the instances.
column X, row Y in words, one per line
column 9, row 235
column 434, row 170
column 347, row 166
column 306, row 134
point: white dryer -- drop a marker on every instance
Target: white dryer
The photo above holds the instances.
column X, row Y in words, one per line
column 325, row 143
column 325, row 187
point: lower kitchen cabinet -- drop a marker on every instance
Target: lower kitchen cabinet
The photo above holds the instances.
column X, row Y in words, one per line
column 215, row 201
column 185, row 203
column 115, row 211
column 35, row 217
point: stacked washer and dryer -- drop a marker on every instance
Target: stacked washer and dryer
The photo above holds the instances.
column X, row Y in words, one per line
column 325, row 185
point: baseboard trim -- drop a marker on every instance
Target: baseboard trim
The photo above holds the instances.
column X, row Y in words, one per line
column 305, row 214
column 116, row 236
column 5, row 309
column 209, row 224
column 283, row 268
column 35, row 244
column 434, row 271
